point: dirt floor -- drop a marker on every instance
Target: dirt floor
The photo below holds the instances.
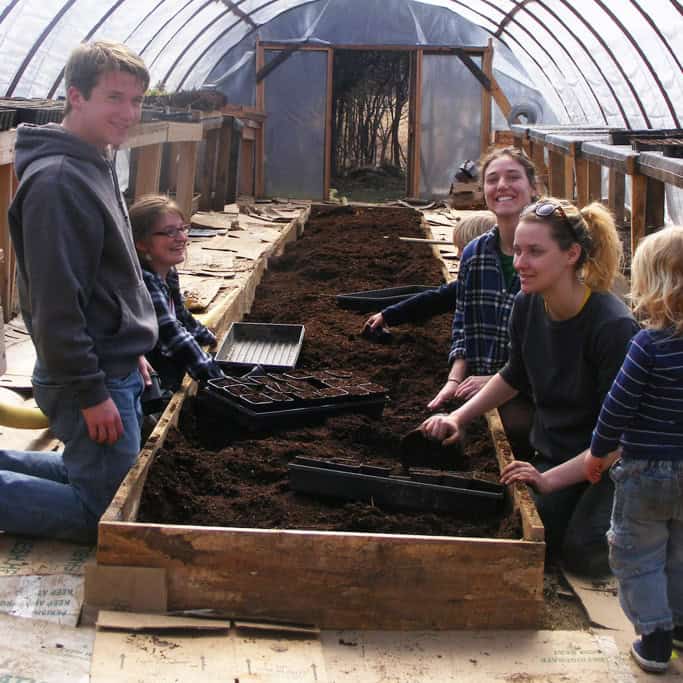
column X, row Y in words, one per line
column 215, row 474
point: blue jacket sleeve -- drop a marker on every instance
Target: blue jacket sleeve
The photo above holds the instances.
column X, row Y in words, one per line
column 423, row 306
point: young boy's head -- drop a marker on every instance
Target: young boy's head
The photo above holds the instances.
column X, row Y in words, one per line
column 657, row 279
column 105, row 84
column 473, row 225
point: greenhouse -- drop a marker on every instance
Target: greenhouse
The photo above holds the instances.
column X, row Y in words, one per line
column 341, row 340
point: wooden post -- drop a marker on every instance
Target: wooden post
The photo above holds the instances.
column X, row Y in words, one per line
column 222, row 165
column 486, row 99
column 327, row 177
column 148, row 170
column 415, row 123
column 556, row 173
column 581, row 170
column 594, row 182
column 260, row 146
column 187, row 167
column 7, row 266
column 647, row 207
column 207, row 176
column 171, row 169
column 538, row 157
column 616, row 197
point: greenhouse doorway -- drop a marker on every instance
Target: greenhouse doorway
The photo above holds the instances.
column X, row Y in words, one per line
column 370, row 112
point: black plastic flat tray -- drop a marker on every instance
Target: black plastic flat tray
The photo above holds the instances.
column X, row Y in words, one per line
column 394, row 492
column 375, row 299
column 272, row 346
column 257, row 420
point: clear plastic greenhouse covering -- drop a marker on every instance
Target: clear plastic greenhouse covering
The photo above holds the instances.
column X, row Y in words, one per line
column 610, row 62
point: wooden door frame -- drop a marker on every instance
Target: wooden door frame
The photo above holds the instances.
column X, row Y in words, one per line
column 414, row 102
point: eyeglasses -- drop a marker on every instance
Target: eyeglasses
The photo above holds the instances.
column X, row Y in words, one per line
column 174, row 233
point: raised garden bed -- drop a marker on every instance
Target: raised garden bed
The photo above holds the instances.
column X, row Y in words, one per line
column 285, row 556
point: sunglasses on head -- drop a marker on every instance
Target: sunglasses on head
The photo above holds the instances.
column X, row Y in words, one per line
column 547, row 207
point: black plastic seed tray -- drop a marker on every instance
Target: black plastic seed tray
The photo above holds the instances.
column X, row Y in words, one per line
column 272, row 346
column 376, row 299
column 330, row 479
column 273, row 400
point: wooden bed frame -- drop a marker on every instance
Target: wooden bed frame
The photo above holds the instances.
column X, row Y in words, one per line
column 329, row 579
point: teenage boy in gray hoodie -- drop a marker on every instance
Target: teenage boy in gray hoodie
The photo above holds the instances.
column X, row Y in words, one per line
column 83, row 300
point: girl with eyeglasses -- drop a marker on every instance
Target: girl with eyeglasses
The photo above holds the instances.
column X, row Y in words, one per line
column 161, row 233
column 568, row 338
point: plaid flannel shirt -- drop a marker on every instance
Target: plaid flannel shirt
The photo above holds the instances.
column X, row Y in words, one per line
column 180, row 335
column 483, row 306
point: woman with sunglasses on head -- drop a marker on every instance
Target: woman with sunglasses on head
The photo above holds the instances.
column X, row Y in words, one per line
column 568, row 338
column 161, row 235
column 486, row 287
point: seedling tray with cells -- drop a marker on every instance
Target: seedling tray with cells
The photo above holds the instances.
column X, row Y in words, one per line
column 281, row 399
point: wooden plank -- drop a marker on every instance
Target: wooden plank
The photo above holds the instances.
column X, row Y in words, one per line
column 247, row 185
column 638, row 209
column 594, row 182
column 144, row 134
column 581, row 171
column 556, row 175
column 184, row 132
column 336, row 579
column 187, row 168
column 536, row 152
column 655, row 204
column 568, row 175
column 208, row 175
column 220, row 191
column 616, row 197
column 8, row 140
column 7, row 266
column 259, row 143
column 148, row 170
column 486, row 100
column 523, row 501
column 329, row 97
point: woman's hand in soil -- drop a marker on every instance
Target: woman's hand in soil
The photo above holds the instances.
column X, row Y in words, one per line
column 375, row 322
column 446, row 393
column 518, row 470
column 471, row 385
column 443, row 428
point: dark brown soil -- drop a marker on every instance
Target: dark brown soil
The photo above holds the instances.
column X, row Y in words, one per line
column 213, row 474
column 218, row 475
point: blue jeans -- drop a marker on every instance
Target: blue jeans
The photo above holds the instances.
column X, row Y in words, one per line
column 63, row 495
column 646, row 542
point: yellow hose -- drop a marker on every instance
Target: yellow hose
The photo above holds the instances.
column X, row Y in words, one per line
column 20, row 417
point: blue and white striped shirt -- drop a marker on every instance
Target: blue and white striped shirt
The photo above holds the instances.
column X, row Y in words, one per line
column 643, row 410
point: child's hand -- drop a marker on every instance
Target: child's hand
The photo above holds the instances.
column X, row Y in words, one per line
column 594, row 467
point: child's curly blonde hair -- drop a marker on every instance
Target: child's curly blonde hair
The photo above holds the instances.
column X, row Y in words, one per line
column 657, row 279
column 471, row 226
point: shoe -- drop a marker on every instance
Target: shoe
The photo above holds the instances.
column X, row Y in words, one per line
column 677, row 639
column 653, row 651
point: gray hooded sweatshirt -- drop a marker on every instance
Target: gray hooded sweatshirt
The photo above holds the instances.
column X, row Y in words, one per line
column 80, row 285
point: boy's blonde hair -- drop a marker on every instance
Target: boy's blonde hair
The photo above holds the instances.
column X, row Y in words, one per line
column 89, row 61
column 593, row 229
column 471, row 226
column 657, row 279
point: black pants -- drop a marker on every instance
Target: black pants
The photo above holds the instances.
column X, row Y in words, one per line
column 576, row 520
